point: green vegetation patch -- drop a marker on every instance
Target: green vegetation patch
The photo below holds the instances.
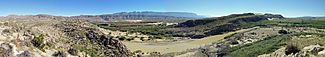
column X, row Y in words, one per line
column 316, row 23
column 319, row 39
column 261, row 47
column 154, row 30
column 273, row 43
column 296, row 23
column 38, row 42
column 90, row 51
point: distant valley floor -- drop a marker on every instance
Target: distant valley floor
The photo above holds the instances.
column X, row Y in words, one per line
column 178, row 46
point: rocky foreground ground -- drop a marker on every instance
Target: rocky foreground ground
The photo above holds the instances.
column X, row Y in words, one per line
column 44, row 36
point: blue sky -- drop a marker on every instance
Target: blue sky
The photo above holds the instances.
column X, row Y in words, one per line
column 289, row 8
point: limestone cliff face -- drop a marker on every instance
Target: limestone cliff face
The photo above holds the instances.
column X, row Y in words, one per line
column 22, row 36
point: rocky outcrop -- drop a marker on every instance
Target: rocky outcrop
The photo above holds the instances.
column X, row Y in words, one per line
column 101, row 43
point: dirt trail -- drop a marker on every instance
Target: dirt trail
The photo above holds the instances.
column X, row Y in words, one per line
column 180, row 46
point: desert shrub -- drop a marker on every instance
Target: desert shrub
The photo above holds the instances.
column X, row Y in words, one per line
column 6, row 31
column 129, row 39
column 73, row 51
column 291, row 49
column 49, row 45
column 137, row 51
column 122, row 38
column 38, row 41
column 89, row 51
column 253, row 33
column 59, row 54
column 142, row 38
column 158, row 37
column 283, row 32
column 233, row 41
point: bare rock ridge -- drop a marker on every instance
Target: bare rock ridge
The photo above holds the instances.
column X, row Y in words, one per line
column 52, row 36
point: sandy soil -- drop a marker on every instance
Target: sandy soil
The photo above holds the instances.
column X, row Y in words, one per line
column 177, row 46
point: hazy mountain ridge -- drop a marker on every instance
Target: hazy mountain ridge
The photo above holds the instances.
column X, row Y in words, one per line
column 147, row 16
column 310, row 17
column 175, row 14
column 123, row 16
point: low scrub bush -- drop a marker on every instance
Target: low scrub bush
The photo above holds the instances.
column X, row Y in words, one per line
column 38, row 41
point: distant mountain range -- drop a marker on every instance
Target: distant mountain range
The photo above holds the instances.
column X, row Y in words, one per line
column 310, row 17
column 125, row 16
column 146, row 15
column 175, row 14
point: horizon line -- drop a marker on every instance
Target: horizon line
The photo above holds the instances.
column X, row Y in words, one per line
column 64, row 15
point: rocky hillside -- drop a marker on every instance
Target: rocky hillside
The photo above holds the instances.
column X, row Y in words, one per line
column 217, row 25
column 43, row 36
column 147, row 16
column 265, row 42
